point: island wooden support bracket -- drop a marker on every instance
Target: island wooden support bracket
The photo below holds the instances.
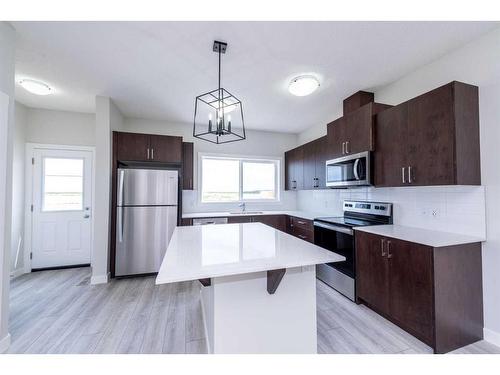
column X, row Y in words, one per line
column 205, row 282
column 274, row 279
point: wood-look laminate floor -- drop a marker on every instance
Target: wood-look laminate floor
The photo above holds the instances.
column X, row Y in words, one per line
column 59, row 312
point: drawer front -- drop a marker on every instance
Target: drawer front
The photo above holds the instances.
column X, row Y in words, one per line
column 303, row 234
column 304, row 224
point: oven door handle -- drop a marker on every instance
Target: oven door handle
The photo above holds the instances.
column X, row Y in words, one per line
column 336, row 228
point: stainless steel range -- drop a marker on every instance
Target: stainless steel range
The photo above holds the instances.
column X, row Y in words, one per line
column 336, row 234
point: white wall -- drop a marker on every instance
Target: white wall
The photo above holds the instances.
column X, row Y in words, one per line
column 7, row 65
column 108, row 118
column 489, row 105
column 17, row 230
column 476, row 63
column 60, row 127
column 258, row 143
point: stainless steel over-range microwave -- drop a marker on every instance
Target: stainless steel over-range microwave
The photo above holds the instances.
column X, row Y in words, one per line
column 349, row 170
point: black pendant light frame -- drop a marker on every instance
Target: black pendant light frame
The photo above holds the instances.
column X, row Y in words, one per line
column 219, row 99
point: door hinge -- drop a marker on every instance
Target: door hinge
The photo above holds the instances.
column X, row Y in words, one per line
column 31, row 208
column 33, row 161
column 31, row 255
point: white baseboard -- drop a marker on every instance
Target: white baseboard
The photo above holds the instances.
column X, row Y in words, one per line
column 17, row 272
column 99, row 279
column 5, row 343
column 491, row 336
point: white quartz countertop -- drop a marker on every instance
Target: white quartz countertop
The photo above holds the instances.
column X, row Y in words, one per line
column 421, row 236
column 301, row 214
column 206, row 251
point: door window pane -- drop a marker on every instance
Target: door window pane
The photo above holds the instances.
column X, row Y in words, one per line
column 259, row 180
column 62, row 184
column 220, row 180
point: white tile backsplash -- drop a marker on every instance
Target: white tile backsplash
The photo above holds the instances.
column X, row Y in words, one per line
column 458, row 209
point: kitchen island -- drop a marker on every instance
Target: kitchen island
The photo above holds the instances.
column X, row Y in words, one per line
column 259, row 285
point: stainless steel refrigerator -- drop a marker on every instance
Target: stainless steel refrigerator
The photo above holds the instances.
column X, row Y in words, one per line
column 145, row 219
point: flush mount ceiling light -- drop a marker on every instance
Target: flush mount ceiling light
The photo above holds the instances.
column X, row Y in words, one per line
column 303, row 85
column 212, row 121
column 36, row 87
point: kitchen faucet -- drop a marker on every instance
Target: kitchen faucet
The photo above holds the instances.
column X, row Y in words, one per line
column 242, row 206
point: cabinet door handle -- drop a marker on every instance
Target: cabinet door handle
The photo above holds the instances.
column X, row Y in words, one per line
column 389, row 254
column 403, row 175
column 300, row 222
column 409, row 175
column 148, row 153
column 302, row 236
column 347, row 147
column 343, row 148
column 152, row 154
column 382, row 243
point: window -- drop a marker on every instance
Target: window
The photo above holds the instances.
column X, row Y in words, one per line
column 229, row 179
column 62, row 184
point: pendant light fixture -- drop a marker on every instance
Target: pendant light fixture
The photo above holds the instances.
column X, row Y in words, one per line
column 218, row 115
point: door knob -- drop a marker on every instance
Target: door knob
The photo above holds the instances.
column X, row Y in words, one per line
column 86, row 216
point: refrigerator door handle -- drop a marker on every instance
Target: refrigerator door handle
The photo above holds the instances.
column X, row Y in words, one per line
column 119, row 218
column 121, row 177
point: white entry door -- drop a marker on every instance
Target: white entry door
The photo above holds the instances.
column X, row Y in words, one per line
column 62, row 213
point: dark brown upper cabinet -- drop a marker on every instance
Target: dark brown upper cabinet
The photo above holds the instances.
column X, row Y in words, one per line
column 147, row 147
column 132, row 146
column 432, row 139
column 314, row 164
column 353, row 132
column 294, row 169
column 166, row 148
column 391, row 151
column 187, row 165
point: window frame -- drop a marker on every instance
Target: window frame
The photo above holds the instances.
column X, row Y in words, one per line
column 277, row 161
column 42, row 185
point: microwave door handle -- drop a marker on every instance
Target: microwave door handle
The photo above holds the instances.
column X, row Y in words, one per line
column 356, row 174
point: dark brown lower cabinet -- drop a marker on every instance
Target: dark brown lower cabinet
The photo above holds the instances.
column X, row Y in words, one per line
column 186, row 222
column 301, row 228
column 239, row 219
column 410, row 286
column 275, row 221
column 298, row 227
column 433, row 293
column 372, row 265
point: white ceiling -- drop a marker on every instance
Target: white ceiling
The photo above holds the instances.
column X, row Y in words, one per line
column 155, row 70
